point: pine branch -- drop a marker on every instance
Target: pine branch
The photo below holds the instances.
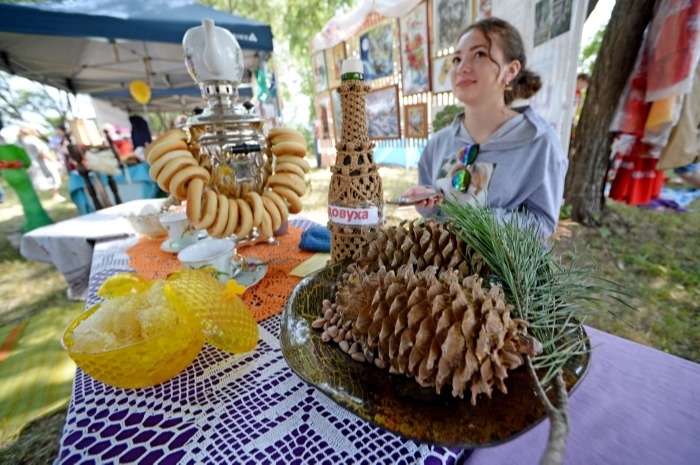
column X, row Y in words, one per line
column 547, row 295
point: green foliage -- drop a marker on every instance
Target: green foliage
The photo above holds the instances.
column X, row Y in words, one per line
column 589, row 52
column 445, row 116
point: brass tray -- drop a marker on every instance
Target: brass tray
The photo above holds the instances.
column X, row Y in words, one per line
column 398, row 403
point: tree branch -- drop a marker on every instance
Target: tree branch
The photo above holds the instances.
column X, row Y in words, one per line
column 558, row 416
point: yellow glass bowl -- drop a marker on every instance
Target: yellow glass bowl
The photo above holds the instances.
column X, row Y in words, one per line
column 143, row 364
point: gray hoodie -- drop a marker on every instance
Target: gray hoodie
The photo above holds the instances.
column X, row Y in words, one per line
column 519, row 171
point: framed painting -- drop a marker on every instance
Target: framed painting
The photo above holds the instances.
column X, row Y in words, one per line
column 377, row 50
column 334, row 59
column 415, row 53
column 415, row 120
column 324, row 115
column 450, row 17
column 337, row 113
column 441, row 74
column 383, row 113
column 320, row 73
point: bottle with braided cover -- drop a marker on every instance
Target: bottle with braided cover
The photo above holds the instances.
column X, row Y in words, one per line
column 355, row 198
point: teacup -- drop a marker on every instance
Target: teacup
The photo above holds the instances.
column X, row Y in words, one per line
column 181, row 233
column 219, row 254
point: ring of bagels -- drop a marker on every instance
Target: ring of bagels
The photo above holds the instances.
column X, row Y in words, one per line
column 181, row 173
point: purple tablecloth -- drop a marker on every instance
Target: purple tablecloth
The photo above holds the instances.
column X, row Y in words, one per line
column 636, row 405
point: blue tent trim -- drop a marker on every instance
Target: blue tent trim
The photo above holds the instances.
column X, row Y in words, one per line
column 150, row 20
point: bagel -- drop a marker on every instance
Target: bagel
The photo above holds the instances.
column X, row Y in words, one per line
column 289, row 180
column 266, row 225
column 273, row 211
column 210, row 205
column 279, row 203
column 173, row 134
column 221, row 220
column 288, row 137
column 291, row 148
column 256, row 205
column 232, row 217
column 178, row 185
column 290, row 168
column 300, row 162
column 170, row 169
column 245, row 217
column 194, row 200
column 290, row 196
column 273, row 132
column 161, row 148
column 159, row 164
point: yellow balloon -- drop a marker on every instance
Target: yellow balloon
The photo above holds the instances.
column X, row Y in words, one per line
column 140, row 92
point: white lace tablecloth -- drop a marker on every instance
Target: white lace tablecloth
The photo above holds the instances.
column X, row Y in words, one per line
column 636, row 405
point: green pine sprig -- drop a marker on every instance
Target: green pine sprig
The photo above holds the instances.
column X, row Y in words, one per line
column 553, row 298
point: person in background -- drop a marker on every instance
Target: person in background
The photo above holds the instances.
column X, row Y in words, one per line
column 582, row 81
column 59, row 144
column 45, row 170
column 509, row 160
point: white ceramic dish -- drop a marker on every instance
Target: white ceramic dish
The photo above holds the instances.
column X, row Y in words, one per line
column 250, row 278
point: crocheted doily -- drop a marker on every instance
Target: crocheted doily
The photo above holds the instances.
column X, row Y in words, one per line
column 266, row 298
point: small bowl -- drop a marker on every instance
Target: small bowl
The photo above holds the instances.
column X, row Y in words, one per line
column 146, row 224
column 142, row 364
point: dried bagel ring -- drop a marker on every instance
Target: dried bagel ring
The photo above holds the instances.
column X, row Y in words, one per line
column 217, row 229
column 273, row 211
column 210, row 206
column 194, row 200
column 171, row 169
column 245, row 219
column 266, row 225
column 300, row 162
column 232, row 218
column 173, row 134
column 291, row 148
column 288, row 137
column 290, row 196
column 273, row 132
column 279, row 203
column 161, row 148
column 256, row 205
column 289, row 180
column 158, row 165
column 290, row 168
column 178, row 185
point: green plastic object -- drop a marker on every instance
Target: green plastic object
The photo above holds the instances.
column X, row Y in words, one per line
column 34, row 214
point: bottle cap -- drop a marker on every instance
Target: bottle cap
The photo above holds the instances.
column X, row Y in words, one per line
column 352, row 65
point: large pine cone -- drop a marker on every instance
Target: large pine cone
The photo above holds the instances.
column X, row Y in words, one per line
column 421, row 244
column 431, row 325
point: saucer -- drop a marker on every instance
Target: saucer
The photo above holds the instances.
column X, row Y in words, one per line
column 251, row 278
column 171, row 247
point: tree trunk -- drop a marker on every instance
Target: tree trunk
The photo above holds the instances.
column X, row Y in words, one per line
column 588, row 159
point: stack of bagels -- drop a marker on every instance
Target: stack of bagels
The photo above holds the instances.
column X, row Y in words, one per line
column 179, row 172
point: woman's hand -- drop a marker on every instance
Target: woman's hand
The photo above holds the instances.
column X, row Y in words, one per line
column 422, row 196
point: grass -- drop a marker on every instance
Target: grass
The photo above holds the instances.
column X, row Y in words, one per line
column 655, row 254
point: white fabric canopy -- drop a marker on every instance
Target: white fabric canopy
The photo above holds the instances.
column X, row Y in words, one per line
column 344, row 26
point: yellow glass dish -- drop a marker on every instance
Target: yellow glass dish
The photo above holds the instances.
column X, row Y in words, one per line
column 146, row 363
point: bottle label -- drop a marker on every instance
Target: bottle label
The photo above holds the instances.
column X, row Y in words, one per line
column 353, row 216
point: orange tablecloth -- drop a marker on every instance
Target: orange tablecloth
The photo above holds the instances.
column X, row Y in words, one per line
column 265, row 299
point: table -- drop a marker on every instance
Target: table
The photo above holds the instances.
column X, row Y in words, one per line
column 636, row 405
column 69, row 244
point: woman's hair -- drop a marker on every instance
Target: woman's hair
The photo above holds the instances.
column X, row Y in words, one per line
column 526, row 83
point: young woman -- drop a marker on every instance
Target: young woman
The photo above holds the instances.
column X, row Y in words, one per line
column 492, row 154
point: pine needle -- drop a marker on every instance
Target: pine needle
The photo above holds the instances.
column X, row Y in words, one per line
column 547, row 295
